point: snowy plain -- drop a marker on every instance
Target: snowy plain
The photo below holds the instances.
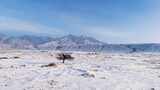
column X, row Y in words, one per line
column 22, row 70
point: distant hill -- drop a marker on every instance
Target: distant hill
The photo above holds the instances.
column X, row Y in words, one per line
column 71, row 43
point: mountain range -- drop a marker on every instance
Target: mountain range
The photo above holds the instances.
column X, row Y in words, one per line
column 71, row 43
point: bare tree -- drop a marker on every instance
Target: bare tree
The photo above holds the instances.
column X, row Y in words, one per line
column 64, row 56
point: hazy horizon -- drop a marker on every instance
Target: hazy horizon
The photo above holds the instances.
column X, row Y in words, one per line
column 110, row 21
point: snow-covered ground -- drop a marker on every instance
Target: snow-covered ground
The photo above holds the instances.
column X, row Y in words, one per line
column 22, row 70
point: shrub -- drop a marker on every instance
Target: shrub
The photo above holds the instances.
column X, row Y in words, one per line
column 16, row 57
column 152, row 89
column 50, row 65
column 88, row 75
column 3, row 57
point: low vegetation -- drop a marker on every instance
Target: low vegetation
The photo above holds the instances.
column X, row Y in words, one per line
column 3, row 57
column 49, row 65
column 16, row 57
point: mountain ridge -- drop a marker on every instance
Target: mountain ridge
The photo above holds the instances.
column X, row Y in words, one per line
column 71, row 43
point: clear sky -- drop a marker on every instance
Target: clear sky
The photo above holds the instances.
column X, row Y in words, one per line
column 112, row 21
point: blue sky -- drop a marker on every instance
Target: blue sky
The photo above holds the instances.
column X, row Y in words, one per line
column 112, row 21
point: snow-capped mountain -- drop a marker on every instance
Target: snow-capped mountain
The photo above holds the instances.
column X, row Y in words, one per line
column 36, row 39
column 81, row 40
column 18, row 43
column 71, row 43
column 22, row 42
